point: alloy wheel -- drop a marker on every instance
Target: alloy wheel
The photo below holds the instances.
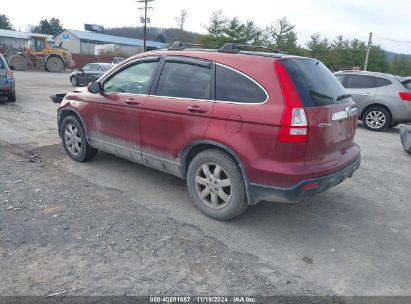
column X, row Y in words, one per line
column 72, row 139
column 213, row 186
column 375, row 119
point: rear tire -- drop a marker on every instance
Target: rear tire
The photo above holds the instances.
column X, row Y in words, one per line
column 19, row 62
column 75, row 141
column 216, row 185
column 11, row 97
column 55, row 65
column 377, row 119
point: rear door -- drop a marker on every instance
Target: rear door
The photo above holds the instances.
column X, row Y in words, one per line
column 331, row 115
column 363, row 89
column 178, row 110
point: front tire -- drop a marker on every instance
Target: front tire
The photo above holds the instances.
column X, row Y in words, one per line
column 74, row 140
column 216, row 185
column 55, row 65
column 377, row 119
column 74, row 81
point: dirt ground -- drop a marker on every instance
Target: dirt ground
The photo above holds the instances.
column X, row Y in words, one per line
column 60, row 233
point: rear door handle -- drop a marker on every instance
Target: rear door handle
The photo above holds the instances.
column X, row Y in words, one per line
column 367, row 94
column 196, row 109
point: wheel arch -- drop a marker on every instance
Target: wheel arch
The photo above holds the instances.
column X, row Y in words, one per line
column 374, row 105
column 201, row 145
column 54, row 55
column 63, row 113
column 29, row 63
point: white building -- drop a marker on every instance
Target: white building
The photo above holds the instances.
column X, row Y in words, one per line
column 84, row 42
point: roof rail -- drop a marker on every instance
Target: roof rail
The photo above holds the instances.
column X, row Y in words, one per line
column 235, row 48
column 178, row 45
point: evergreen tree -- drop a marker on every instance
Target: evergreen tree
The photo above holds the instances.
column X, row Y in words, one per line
column 46, row 27
column 5, row 23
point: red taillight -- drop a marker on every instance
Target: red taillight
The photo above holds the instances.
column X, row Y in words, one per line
column 294, row 125
column 405, row 96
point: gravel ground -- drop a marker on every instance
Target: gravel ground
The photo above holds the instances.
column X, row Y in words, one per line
column 60, row 233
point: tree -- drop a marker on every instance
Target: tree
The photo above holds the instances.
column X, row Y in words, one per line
column 281, row 35
column 52, row 27
column 181, row 20
column 217, row 24
column 222, row 30
column 5, row 23
column 320, row 49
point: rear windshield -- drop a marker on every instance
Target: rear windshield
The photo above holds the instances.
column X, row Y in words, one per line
column 315, row 83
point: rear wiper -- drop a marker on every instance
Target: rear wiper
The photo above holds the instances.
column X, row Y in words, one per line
column 344, row 96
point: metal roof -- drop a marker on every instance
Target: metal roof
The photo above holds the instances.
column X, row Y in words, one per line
column 92, row 36
column 20, row 35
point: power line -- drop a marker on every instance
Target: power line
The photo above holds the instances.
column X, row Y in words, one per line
column 393, row 40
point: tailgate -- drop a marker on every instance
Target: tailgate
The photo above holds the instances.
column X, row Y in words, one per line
column 330, row 145
column 331, row 116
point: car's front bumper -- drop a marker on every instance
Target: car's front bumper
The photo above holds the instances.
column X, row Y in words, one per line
column 303, row 189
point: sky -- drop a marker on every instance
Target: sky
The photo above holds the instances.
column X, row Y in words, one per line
column 350, row 18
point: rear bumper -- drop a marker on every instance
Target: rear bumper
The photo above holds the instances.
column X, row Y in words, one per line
column 299, row 192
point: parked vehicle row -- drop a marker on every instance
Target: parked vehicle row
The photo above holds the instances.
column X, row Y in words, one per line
column 7, row 82
column 383, row 100
column 240, row 127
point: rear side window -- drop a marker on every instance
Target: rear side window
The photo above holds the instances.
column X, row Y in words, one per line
column 236, row 87
column 407, row 84
column 185, row 81
column 361, row 82
column 315, row 83
column 382, row 82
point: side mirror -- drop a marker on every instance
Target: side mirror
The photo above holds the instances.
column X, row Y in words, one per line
column 12, row 68
column 94, row 87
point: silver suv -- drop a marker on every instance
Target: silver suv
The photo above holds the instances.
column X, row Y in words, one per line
column 383, row 100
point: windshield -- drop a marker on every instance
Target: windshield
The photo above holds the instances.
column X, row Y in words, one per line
column 315, row 83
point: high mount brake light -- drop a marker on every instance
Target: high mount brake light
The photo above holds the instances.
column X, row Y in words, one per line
column 294, row 125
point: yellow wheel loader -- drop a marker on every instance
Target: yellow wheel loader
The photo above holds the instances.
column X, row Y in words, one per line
column 39, row 54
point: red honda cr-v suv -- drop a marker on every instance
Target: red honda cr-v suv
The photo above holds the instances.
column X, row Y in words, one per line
column 240, row 127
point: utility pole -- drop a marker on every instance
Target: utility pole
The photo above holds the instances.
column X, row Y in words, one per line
column 368, row 52
column 145, row 8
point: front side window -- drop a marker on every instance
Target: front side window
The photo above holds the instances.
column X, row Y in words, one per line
column 135, row 79
column 236, row 87
column 185, row 80
column 361, row 82
column 39, row 45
